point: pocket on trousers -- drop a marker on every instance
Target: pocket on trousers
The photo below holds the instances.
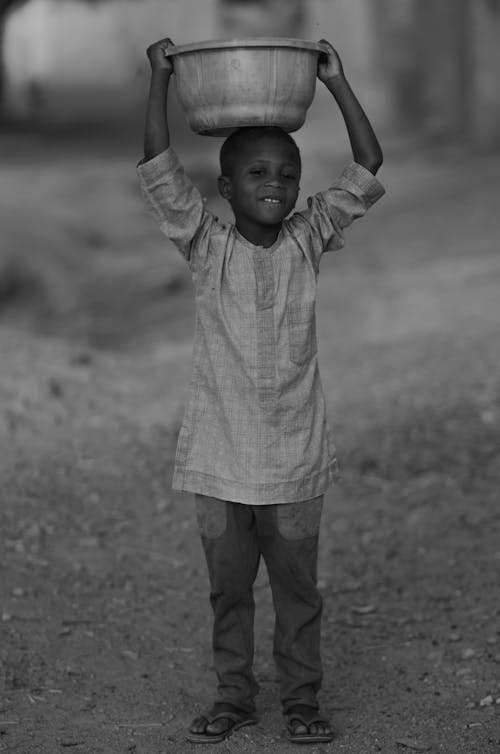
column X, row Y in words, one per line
column 299, row 520
column 211, row 515
column 301, row 320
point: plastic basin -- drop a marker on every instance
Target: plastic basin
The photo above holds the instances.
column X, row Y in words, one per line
column 226, row 84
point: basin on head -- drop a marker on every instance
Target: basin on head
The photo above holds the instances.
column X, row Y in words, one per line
column 226, row 84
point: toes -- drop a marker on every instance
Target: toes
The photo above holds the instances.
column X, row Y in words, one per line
column 313, row 729
column 218, row 726
column 299, row 729
column 202, row 725
column 320, row 729
column 198, row 725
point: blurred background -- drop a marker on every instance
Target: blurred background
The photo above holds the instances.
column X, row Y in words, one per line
column 96, row 332
column 77, row 253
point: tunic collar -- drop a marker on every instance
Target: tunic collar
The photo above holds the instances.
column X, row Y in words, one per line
column 253, row 247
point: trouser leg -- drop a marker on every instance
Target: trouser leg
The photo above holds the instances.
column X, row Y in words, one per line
column 288, row 538
column 229, row 538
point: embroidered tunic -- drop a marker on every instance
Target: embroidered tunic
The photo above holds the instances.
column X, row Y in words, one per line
column 255, row 429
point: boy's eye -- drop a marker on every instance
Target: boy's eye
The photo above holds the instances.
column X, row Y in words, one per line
column 256, row 171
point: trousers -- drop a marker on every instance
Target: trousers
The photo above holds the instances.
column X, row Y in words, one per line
column 234, row 537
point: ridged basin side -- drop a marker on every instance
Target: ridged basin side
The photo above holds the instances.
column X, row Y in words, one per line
column 221, row 90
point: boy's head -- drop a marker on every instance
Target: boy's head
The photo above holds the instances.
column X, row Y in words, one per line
column 260, row 174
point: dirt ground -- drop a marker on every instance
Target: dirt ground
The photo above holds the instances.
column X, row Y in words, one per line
column 104, row 615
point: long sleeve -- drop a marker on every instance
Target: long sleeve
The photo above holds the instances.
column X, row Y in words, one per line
column 176, row 205
column 329, row 212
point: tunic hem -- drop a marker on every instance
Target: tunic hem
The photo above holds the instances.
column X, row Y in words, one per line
column 261, row 493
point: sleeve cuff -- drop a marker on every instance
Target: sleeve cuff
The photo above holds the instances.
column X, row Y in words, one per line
column 151, row 169
column 359, row 176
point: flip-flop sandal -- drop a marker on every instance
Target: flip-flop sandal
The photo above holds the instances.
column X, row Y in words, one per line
column 306, row 738
column 237, row 720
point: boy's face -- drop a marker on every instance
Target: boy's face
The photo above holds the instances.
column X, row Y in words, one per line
column 264, row 183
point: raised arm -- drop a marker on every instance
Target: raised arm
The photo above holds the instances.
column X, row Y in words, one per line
column 170, row 196
column 366, row 149
column 156, row 133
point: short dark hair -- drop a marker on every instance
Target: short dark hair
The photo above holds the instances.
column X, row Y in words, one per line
column 236, row 141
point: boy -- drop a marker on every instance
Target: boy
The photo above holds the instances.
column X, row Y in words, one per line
column 254, row 445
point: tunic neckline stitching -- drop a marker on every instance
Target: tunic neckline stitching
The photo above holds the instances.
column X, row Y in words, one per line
column 253, row 247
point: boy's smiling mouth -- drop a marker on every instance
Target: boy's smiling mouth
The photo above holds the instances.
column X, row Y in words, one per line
column 272, row 200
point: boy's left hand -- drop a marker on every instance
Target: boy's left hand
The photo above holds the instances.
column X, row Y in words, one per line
column 329, row 63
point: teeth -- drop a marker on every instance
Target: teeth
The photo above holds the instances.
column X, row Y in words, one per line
column 273, row 201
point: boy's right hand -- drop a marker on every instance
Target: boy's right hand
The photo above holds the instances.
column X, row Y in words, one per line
column 156, row 55
column 329, row 63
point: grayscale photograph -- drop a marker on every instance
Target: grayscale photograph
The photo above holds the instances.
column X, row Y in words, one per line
column 249, row 376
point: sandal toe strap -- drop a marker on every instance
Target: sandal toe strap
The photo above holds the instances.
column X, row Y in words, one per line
column 296, row 717
column 227, row 715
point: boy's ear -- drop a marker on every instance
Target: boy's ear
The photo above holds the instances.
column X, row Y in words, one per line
column 224, row 185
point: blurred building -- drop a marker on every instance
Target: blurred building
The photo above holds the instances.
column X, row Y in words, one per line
column 71, row 62
column 442, row 60
column 262, row 18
